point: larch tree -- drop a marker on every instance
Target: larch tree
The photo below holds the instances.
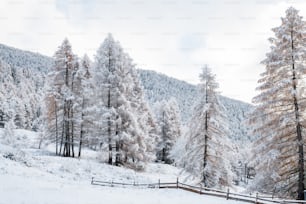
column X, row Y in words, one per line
column 117, row 95
column 106, row 81
column 279, row 115
column 147, row 125
column 60, row 100
column 208, row 147
column 170, row 128
column 88, row 115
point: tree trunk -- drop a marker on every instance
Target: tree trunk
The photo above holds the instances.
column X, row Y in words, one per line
column 82, row 126
column 205, row 151
column 62, row 140
column 62, row 137
column 205, row 138
column 72, row 129
column 298, row 128
column 163, row 138
column 118, row 154
column 67, row 142
column 56, row 128
column 110, row 147
column 71, row 118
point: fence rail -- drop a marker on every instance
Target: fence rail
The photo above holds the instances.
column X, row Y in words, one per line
column 200, row 190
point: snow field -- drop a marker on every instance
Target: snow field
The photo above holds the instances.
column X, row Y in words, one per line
column 33, row 176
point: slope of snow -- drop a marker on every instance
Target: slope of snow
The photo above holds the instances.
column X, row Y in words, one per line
column 25, row 59
column 160, row 87
column 157, row 87
column 31, row 175
column 29, row 191
column 237, row 115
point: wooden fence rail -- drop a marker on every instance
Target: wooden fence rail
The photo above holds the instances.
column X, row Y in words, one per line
column 200, row 190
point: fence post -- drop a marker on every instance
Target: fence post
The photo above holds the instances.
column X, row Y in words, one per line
column 200, row 189
column 112, row 184
column 256, row 197
column 227, row 194
column 177, row 182
column 158, row 183
column 92, row 179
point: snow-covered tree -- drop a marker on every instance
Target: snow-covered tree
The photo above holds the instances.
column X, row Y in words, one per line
column 61, row 100
column 170, row 128
column 88, row 115
column 279, row 115
column 145, row 119
column 119, row 95
column 8, row 134
column 208, row 147
column 19, row 100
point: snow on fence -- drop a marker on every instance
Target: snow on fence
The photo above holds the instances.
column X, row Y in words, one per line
column 200, row 190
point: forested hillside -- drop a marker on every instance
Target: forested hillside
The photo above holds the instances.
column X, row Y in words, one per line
column 25, row 59
column 131, row 116
column 160, row 87
column 157, row 87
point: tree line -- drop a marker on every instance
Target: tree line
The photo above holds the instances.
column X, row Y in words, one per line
column 101, row 105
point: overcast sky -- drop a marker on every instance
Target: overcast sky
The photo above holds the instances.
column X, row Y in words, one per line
column 174, row 37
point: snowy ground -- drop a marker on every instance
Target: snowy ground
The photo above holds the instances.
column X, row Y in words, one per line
column 18, row 189
column 29, row 175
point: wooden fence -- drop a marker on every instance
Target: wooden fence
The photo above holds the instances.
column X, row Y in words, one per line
column 200, row 190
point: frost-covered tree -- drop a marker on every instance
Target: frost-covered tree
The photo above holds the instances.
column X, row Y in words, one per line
column 88, row 114
column 170, row 128
column 145, row 119
column 279, row 114
column 119, row 95
column 208, row 146
column 19, row 99
column 7, row 92
column 62, row 101
column 28, row 73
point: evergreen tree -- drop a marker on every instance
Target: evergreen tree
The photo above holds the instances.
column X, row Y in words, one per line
column 170, row 128
column 61, row 100
column 120, row 97
column 208, row 146
column 279, row 115
column 88, row 135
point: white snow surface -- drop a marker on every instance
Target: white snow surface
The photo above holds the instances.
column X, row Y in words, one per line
column 29, row 175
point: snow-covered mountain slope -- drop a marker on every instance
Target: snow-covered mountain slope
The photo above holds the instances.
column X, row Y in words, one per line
column 32, row 175
column 237, row 114
column 161, row 87
column 25, row 59
column 157, row 87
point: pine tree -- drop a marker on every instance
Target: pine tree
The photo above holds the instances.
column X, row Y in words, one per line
column 280, row 106
column 170, row 128
column 208, row 145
